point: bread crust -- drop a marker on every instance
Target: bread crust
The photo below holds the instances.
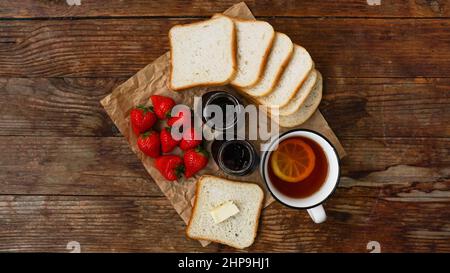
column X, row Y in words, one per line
column 262, row 67
column 319, row 79
column 197, row 190
column 233, row 58
column 277, row 77
column 280, row 72
column 296, row 88
column 253, row 100
column 266, row 53
column 314, row 85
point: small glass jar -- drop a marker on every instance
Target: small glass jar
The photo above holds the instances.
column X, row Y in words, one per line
column 223, row 100
column 235, row 157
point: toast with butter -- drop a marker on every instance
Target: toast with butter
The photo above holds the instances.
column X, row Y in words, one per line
column 214, row 217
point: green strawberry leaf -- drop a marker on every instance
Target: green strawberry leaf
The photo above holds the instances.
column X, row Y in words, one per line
column 179, row 170
column 147, row 134
column 203, row 151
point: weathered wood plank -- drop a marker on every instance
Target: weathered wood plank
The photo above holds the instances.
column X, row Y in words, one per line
column 379, row 153
column 107, row 166
column 92, row 8
column 120, row 47
column 357, row 215
column 72, row 166
column 55, row 107
column 364, row 107
column 377, row 107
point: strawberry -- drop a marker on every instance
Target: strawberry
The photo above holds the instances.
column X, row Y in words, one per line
column 149, row 143
column 194, row 160
column 190, row 139
column 180, row 118
column 162, row 106
column 142, row 119
column 167, row 141
column 170, row 166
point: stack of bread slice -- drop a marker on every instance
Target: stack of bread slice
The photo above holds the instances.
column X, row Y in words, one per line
column 264, row 65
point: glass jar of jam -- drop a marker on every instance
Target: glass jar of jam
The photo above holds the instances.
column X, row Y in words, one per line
column 235, row 157
column 227, row 103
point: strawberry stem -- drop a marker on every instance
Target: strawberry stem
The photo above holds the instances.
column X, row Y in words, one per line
column 146, row 134
column 200, row 149
column 145, row 109
column 179, row 170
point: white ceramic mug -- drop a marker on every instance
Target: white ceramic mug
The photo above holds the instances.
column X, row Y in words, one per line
column 312, row 203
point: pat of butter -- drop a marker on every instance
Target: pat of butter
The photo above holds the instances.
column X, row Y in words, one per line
column 224, row 211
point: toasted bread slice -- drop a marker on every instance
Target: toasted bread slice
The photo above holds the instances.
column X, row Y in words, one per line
column 280, row 54
column 300, row 96
column 254, row 42
column 202, row 53
column 239, row 230
column 290, row 81
column 306, row 109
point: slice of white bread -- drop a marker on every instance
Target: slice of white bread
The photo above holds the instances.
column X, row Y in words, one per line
column 280, row 54
column 202, row 53
column 301, row 95
column 254, row 42
column 239, row 230
column 290, row 81
column 306, row 109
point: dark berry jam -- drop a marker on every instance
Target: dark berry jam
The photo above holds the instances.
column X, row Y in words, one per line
column 226, row 102
column 235, row 157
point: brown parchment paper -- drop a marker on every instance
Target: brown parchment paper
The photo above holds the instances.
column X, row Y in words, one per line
column 153, row 79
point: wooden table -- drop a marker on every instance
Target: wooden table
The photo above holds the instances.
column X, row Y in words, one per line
column 66, row 175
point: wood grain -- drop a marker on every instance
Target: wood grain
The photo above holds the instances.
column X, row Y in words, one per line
column 107, row 166
column 364, row 107
column 357, row 215
column 120, row 47
column 378, row 107
column 351, row 8
column 55, row 107
column 72, row 166
column 67, row 175
column 365, row 155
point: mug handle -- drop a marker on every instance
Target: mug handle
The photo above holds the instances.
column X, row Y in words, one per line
column 317, row 214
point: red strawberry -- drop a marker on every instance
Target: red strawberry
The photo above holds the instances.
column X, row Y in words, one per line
column 162, row 105
column 194, row 160
column 170, row 166
column 149, row 143
column 179, row 118
column 142, row 119
column 190, row 139
column 167, row 141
